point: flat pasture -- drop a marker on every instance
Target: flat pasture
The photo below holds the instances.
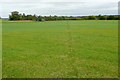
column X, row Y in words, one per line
column 60, row 49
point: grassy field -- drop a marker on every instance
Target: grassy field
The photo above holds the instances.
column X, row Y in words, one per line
column 0, row 49
column 61, row 49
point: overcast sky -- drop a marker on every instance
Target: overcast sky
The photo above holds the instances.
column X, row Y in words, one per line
column 59, row 7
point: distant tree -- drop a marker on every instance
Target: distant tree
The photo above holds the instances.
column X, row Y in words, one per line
column 15, row 15
column 116, row 17
column 55, row 17
column 111, row 17
column 102, row 18
column 62, row 17
column 34, row 18
column 29, row 17
column 85, row 18
column 91, row 17
column 20, row 16
column 40, row 18
column 23, row 16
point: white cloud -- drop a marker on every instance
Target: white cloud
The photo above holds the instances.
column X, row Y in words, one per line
column 59, row 0
column 59, row 7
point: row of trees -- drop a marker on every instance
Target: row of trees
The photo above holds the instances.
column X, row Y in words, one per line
column 102, row 17
column 16, row 16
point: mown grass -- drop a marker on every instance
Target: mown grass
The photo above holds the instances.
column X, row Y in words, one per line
column 0, row 49
column 61, row 49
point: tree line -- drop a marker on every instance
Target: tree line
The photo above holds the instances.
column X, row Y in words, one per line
column 16, row 16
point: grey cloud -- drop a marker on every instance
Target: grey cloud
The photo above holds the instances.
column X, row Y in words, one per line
column 59, row 8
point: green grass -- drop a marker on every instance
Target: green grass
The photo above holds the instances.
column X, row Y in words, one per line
column 85, row 49
column 0, row 49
